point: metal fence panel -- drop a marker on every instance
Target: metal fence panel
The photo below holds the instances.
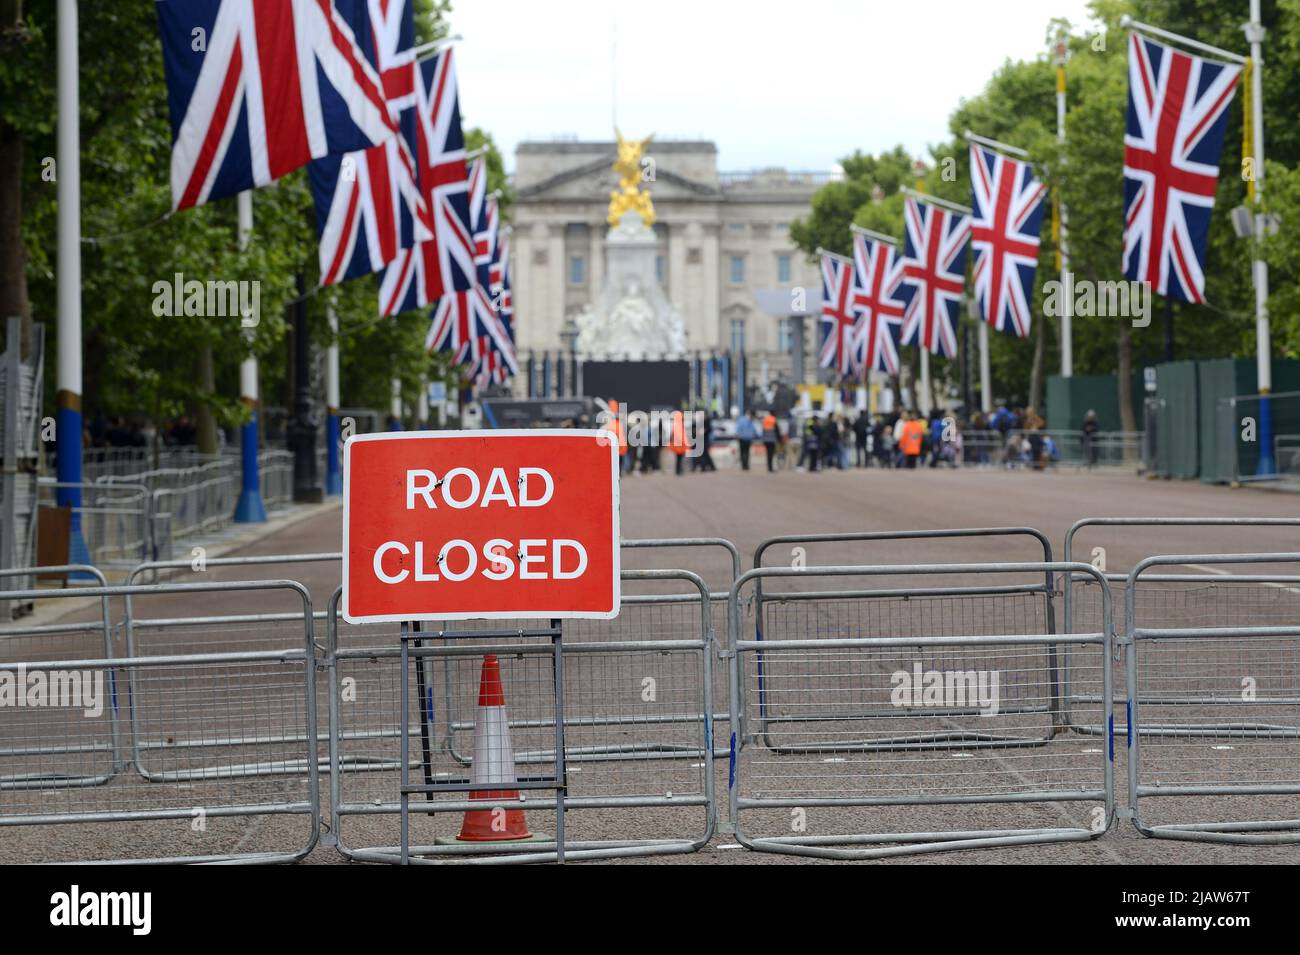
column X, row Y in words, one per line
column 221, row 766
column 1215, row 702
column 865, row 717
column 638, row 702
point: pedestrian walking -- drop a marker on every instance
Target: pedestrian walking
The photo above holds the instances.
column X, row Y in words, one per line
column 746, row 433
column 770, row 437
column 1090, row 428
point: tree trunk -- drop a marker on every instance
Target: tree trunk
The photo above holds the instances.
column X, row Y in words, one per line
column 1036, row 370
column 1124, row 374
column 13, row 254
column 204, row 421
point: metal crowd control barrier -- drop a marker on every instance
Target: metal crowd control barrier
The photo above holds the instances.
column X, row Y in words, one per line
column 899, row 720
column 260, row 702
column 969, row 605
column 1178, row 598
column 46, row 641
column 117, row 519
column 639, row 733
column 244, row 631
column 1217, row 711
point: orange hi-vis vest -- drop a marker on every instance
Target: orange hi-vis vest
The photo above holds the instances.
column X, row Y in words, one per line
column 616, row 425
column 912, row 437
column 677, row 443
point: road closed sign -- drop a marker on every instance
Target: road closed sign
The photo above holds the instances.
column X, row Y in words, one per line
column 452, row 525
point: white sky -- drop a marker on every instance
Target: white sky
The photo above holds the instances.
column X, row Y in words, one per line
column 795, row 84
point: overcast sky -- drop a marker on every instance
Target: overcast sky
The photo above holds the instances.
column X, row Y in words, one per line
column 794, row 84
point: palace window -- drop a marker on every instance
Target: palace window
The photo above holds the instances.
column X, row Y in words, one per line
column 783, row 269
column 737, row 336
column 577, row 270
column 737, row 270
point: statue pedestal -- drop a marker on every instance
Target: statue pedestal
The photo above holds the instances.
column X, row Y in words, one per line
column 633, row 318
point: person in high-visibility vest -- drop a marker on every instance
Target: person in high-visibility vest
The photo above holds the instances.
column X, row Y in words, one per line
column 770, row 435
column 911, row 440
column 616, row 426
column 677, row 440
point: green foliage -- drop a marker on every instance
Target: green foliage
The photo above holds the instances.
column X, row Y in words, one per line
column 1018, row 106
column 135, row 361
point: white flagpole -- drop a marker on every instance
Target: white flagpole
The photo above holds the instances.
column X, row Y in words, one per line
column 872, row 234
column 923, row 398
column 986, row 376
column 1062, row 243
column 68, row 424
column 250, row 508
column 333, row 423
column 1263, row 349
column 935, row 200
column 996, row 144
column 395, row 409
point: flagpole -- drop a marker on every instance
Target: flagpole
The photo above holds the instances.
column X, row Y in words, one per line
column 333, row 423
column 1062, row 242
column 434, row 46
column 986, row 375
column 68, row 426
column 249, row 509
column 395, row 408
column 1127, row 22
column 996, row 144
column 1263, row 350
column 935, row 200
column 872, row 234
column 834, row 255
column 422, row 405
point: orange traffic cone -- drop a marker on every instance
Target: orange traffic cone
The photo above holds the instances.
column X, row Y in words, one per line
column 494, row 762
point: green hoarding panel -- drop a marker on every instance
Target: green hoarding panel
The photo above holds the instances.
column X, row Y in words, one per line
column 1178, row 428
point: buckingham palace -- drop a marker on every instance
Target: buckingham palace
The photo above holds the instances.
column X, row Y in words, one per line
column 723, row 253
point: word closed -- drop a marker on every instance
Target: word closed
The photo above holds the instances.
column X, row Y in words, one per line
column 480, row 524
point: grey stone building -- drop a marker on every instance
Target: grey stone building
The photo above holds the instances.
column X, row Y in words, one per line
column 723, row 246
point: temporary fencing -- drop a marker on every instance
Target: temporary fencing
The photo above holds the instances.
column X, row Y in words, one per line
column 917, row 697
column 215, row 801
column 1215, row 705
column 637, row 716
column 935, row 706
column 1178, row 599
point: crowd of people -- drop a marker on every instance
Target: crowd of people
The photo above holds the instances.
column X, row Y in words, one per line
column 1008, row 437
column 119, row 431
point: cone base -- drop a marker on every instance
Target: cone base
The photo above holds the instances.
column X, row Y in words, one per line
column 458, row 841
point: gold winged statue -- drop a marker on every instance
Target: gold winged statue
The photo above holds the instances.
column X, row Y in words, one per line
column 628, row 197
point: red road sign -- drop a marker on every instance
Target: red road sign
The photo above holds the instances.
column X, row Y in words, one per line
column 451, row 525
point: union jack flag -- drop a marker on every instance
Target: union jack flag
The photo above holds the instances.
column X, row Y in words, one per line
column 502, row 296
column 934, row 265
column 276, row 84
column 470, row 324
column 838, row 320
column 1177, row 113
column 368, row 204
column 1008, row 215
column 431, row 270
column 879, row 301
column 491, row 368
